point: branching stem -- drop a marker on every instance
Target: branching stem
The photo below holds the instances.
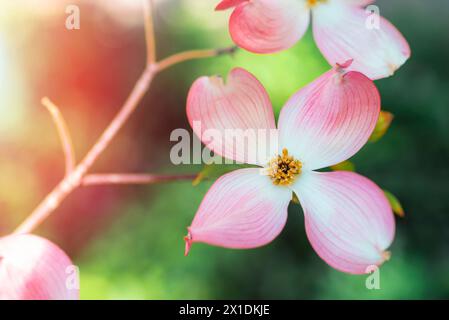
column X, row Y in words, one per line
column 127, row 178
column 77, row 175
column 64, row 134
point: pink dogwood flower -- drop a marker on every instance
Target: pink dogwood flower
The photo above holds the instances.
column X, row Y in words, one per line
column 33, row 268
column 348, row 219
column 341, row 28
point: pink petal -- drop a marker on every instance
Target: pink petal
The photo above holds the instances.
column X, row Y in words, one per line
column 329, row 120
column 341, row 33
column 243, row 209
column 348, row 219
column 33, row 268
column 241, row 104
column 266, row 26
column 226, row 4
column 360, row 3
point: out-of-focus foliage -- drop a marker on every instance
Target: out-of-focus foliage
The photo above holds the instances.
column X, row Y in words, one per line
column 395, row 204
column 214, row 171
column 344, row 166
column 128, row 241
column 141, row 256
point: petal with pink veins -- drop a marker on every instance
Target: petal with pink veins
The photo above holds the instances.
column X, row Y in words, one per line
column 234, row 119
column 329, row 120
column 343, row 31
column 266, row 26
column 348, row 219
column 33, row 268
column 226, row 4
column 242, row 209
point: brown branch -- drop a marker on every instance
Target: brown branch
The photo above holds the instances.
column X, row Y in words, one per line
column 148, row 7
column 126, row 178
column 75, row 178
column 64, row 134
column 191, row 55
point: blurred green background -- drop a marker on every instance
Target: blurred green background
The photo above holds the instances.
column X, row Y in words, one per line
column 128, row 241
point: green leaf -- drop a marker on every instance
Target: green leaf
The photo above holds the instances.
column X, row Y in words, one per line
column 395, row 204
column 383, row 123
column 344, row 166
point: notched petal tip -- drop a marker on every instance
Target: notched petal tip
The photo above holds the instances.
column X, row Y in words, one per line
column 228, row 4
column 216, row 80
column 341, row 71
column 239, row 103
column 340, row 31
column 226, row 81
column 341, row 68
column 220, row 7
column 188, row 241
column 332, row 118
column 265, row 27
column 344, row 65
column 235, row 74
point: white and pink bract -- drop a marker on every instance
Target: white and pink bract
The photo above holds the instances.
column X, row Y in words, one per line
column 340, row 27
column 348, row 219
column 33, row 268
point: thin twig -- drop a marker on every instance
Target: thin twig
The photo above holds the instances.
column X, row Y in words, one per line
column 148, row 8
column 64, row 134
column 191, row 55
column 75, row 178
column 125, row 178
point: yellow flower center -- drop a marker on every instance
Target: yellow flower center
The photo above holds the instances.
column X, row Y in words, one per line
column 284, row 169
column 313, row 3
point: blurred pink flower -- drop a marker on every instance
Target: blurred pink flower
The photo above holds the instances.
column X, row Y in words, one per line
column 33, row 268
column 341, row 28
column 348, row 219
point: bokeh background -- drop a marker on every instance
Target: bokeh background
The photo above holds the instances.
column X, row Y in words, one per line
column 128, row 240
